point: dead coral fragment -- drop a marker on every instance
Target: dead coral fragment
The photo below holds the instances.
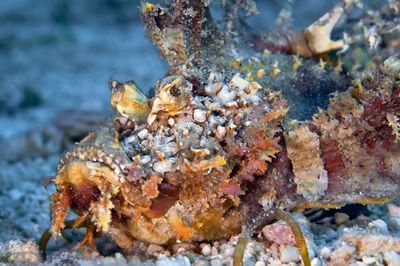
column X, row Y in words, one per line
column 356, row 244
column 23, row 252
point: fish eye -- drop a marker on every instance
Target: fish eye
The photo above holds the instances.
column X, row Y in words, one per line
column 175, row 91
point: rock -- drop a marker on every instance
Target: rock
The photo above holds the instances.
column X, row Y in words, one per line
column 369, row 243
column 392, row 258
column 394, row 210
column 85, row 252
column 361, row 243
column 205, row 250
column 279, row 233
column 227, row 250
column 289, row 254
column 200, row 262
column 380, row 225
column 311, row 252
column 214, row 251
column 220, row 132
column 182, row 248
column 394, row 223
column 260, row 263
column 171, row 122
column 143, row 134
column 369, row 260
column 200, row 115
column 172, row 261
column 154, row 249
column 316, row 262
column 325, row 253
column 359, row 263
column 341, row 218
column 20, row 251
column 330, row 234
column 343, row 255
column 274, row 251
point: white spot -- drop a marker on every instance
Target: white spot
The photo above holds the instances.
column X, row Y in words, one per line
column 225, row 94
column 151, row 119
column 238, row 82
column 145, row 159
column 117, row 171
column 171, row 122
column 143, row 134
column 200, row 115
column 220, row 133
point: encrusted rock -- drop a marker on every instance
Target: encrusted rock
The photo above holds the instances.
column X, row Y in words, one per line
column 394, row 223
column 325, row 253
column 379, row 225
column 279, row 233
column 205, row 249
column 19, row 251
column 200, row 115
column 358, row 244
column 394, row 210
column 341, row 218
column 289, row 254
column 316, row 262
column 392, row 258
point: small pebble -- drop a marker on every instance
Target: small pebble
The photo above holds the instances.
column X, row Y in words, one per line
column 200, row 262
column 227, row 250
column 311, row 252
column 171, row 122
column 143, row 134
column 289, row 254
column 341, row 218
column 369, row 260
column 394, row 210
column 260, row 263
column 220, row 133
column 330, row 234
column 152, row 249
column 316, row 262
column 394, row 223
column 325, row 253
column 392, row 258
column 21, row 251
column 274, row 251
column 200, row 115
column 214, row 251
column 206, row 250
column 380, row 225
column 275, row 263
column 145, row 159
column 279, row 233
column 359, row 263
